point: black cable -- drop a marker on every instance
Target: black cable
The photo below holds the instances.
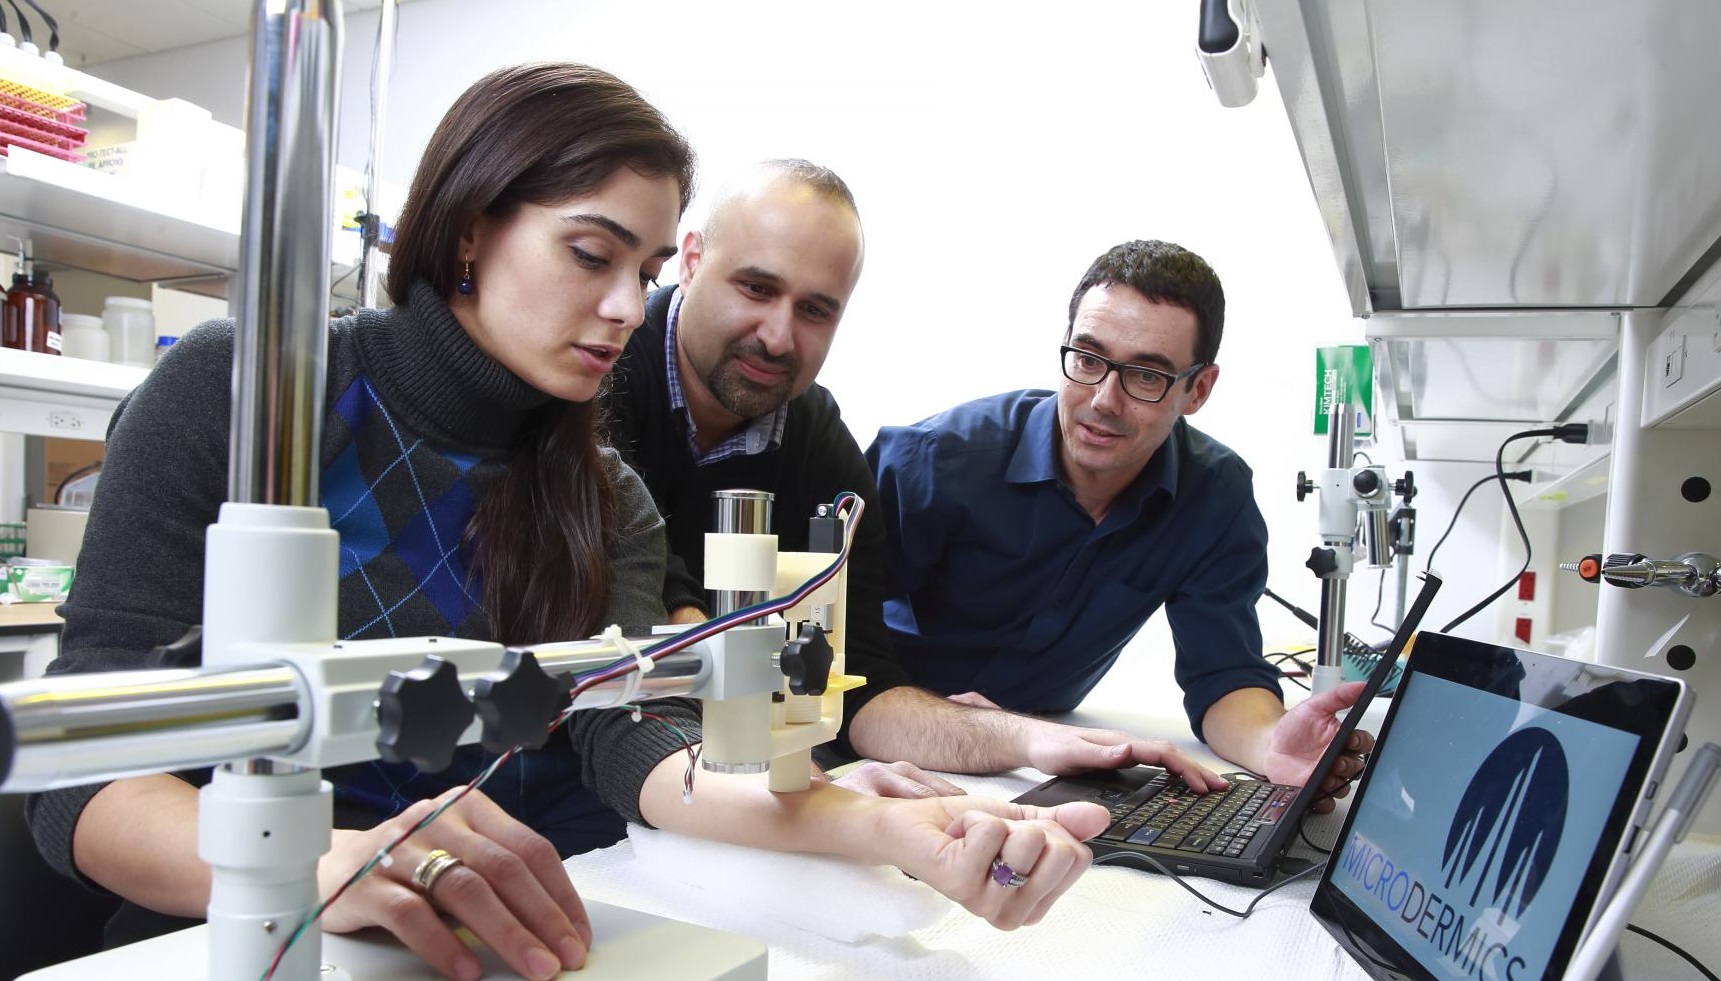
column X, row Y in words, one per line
column 1365, row 456
column 1512, row 507
column 1379, row 591
column 1303, row 822
column 1429, row 562
column 1283, row 656
column 53, row 25
column 1119, row 858
column 23, row 23
column 1670, row 945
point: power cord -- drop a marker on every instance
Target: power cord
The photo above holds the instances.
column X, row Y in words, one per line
column 1574, row 432
column 1670, row 945
column 1520, row 475
column 24, row 36
column 1124, row 858
column 48, row 19
column 1278, row 659
column 1379, row 594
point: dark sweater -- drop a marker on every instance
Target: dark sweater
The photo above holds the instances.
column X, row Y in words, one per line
column 817, row 459
column 418, row 429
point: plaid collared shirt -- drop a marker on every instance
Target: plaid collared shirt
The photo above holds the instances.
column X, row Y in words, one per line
column 760, row 434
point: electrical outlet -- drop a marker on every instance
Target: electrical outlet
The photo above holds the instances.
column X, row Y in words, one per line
column 65, row 419
column 1673, row 362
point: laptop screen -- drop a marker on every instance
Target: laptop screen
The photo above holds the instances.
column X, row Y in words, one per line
column 1490, row 818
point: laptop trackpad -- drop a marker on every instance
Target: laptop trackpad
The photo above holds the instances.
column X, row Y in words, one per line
column 1104, row 787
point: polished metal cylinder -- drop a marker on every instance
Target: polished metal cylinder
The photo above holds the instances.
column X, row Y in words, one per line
column 739, row 512
column 281, row 298
column 674, row 674
column 67, row 730
column 1330, row 642
column 1403, row 590
column 1377, row 532
column 1341, row 435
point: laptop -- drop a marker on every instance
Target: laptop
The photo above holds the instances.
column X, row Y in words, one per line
column 1237, row 835
column 1497, row 813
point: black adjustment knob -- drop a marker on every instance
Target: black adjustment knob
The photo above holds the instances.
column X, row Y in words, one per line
column 421, row 714
column 518, row 707
column 1366, row 482
column 1405, row 487
column 1323, row 562
column 807, row 661
column 1305, row 486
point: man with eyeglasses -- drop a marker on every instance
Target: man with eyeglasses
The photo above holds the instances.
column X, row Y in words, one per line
column 1029, row 535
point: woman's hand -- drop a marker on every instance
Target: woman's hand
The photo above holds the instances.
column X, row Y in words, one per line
column 953, row 843
column 509, row 889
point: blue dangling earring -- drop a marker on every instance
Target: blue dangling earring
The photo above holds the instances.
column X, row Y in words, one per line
column 466, row 286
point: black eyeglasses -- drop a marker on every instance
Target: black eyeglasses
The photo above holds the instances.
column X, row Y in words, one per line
column 1140, row 382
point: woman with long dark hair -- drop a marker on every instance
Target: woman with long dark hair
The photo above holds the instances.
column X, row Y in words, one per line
column 461, row 466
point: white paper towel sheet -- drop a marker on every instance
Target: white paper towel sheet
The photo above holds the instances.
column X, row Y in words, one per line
column 829, row 920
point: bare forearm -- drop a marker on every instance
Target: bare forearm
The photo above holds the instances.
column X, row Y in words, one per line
column 925, row 729
column 138, row 838
column 1239, row 726
column 742, row 810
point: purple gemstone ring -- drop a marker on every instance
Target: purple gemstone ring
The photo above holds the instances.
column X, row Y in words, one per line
column 1006, row 876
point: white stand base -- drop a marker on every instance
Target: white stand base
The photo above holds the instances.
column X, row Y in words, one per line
column 1326, row 678
column 630, row 945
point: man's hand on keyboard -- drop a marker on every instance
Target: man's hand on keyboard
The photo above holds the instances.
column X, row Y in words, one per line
column 1061, row 749
column 1302, row 735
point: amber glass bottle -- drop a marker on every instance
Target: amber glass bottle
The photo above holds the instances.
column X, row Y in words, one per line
column 45, row 335
column 32, row 320
column 19, row 300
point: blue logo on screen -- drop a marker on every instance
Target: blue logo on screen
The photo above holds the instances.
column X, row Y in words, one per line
column 1507, row 826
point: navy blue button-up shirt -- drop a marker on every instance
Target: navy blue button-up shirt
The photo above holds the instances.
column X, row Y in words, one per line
column 1002, row 584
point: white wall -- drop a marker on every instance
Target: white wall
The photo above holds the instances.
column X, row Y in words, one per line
column 993, row 156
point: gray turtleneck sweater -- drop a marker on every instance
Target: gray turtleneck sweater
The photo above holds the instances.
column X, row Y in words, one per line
column 419, row 426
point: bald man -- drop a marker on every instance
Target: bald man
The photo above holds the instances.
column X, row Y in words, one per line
column 716, row 391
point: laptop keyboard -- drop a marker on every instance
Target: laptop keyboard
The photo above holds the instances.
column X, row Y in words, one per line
column 1173, row 816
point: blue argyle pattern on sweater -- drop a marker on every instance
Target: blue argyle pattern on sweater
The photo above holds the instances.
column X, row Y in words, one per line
column 401, row 506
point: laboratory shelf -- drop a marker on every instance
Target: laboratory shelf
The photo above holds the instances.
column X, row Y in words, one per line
column 51, row 395
column 1456, row 384
column 76, row 217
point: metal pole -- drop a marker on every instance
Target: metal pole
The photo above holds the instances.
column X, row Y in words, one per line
column 739, row 512
column 262, row 827
column 80, row 728
column 281, row 301
column 382, row 67
column 1330, row 639
column 1403, row 560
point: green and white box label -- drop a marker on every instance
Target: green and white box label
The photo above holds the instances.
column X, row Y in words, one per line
column 1347, row 373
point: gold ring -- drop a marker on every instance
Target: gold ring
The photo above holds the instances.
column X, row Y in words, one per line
column 431, row 867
